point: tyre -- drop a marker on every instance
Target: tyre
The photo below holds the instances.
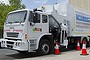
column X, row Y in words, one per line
column 44, row 47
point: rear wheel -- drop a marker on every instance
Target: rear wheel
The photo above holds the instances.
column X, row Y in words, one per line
column 44, row 47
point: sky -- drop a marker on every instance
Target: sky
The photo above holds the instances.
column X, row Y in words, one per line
column 30, row 4
column 5, row 1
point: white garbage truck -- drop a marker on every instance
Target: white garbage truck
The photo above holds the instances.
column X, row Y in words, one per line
column 38, row 29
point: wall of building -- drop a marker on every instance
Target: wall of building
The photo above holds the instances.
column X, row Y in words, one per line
column 82, row 4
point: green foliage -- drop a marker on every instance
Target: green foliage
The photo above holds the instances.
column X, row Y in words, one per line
column 5, row 9
column 16, row 4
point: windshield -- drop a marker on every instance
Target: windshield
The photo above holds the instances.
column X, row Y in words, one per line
column 16, row 17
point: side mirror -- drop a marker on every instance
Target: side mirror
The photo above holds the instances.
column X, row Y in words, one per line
column 32, row 24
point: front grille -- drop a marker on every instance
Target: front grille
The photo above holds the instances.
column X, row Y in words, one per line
column 13, row 39
column 8, row 42
column 11, row 34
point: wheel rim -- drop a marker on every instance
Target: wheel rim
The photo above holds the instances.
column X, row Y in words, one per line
column 45, row 48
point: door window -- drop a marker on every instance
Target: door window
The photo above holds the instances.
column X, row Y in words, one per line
column 34, row 17
column 44, row 18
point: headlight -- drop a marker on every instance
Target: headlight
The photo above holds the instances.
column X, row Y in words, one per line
column 18, row 43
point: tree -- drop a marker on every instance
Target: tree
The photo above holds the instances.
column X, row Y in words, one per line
column 16, row 4
column 5, row 9
column 2, row 14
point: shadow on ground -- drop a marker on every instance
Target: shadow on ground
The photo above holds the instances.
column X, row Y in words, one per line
column 30, row 55
column 25, row 55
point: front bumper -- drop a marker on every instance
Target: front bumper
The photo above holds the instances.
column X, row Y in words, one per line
column 16, row 45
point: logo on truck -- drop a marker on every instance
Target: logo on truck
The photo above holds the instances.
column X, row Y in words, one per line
column 82, row 18
column 37, row 29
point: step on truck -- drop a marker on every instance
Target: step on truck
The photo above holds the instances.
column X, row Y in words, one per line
column 38, row 29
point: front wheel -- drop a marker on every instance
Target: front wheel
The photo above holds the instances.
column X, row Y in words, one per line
column 44, row 47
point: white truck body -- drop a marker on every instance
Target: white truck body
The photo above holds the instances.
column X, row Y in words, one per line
column 79, row 22
column 79, row 25
column 26, row 35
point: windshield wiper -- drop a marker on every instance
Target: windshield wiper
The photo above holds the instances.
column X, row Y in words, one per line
column 10, row 22
column 16, row 22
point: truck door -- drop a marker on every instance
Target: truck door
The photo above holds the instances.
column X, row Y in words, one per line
column 34, row 25
column 45, row 26
column 54, row 28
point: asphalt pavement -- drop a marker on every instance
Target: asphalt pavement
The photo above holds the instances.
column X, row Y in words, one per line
column 7, row 54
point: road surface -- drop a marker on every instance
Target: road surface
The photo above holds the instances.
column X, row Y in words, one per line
column 6, row 54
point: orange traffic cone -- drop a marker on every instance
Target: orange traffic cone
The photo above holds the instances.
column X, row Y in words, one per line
column 78, row 45
column 56, row 51
column 84, row 51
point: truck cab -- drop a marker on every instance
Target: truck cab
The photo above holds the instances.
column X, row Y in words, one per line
column 38, row 29
column 26, row 30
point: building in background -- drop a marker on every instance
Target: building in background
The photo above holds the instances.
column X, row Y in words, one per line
column 82, row 4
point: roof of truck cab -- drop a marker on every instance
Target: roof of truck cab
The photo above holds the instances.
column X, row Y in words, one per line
column 20, row 10
column 48, row 13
